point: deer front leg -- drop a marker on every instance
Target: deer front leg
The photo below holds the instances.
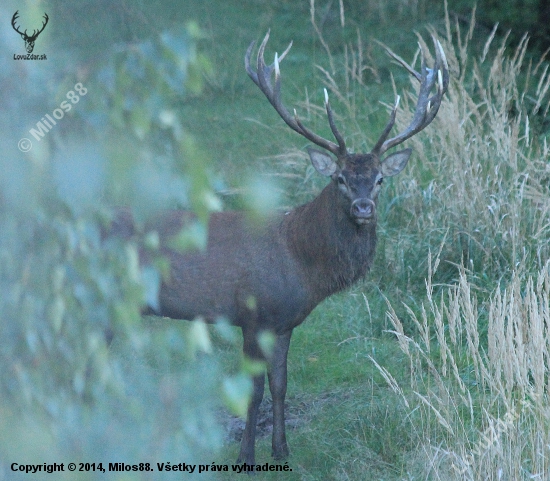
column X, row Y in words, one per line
column 248, row 440
column 277, row 385
column 251, row 350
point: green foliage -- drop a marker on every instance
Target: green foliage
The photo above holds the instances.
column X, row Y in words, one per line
column 84, row 377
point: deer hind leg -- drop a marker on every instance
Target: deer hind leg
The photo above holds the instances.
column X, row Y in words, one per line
column 276, row 373
column 251, row 350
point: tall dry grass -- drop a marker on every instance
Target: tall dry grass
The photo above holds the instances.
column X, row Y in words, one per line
column 480, row 173
column 479, row 348
column 482, row 412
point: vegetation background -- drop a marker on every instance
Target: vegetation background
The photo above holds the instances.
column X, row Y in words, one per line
column 436, row 367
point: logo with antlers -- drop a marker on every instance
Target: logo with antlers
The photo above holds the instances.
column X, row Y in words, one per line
column 29, row 39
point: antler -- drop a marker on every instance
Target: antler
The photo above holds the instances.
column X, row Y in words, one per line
column 43, row 26
column 262, row 78
column 426, row 106
column 13, row 19
column 35, row 32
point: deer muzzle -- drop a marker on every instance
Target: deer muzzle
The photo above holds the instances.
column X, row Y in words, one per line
column 363, row 210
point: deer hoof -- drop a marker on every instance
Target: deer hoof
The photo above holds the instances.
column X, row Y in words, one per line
column 280, row 452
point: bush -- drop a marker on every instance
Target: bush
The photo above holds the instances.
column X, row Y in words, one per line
column 84, row 378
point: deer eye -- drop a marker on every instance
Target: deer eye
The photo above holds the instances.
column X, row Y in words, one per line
column 379, row 181
column 341, row 180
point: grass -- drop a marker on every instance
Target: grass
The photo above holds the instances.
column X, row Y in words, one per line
column 461, row 261
column 435, row 367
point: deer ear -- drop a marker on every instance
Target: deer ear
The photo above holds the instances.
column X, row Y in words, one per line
column 395, row 163
column 323, row 162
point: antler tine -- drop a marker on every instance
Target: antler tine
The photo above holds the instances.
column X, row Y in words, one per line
column 262, row 78
column 387, row 129
column 39, row 31
column 402, row 62
column 427, row 106
column 337, row 135
column 14, row 20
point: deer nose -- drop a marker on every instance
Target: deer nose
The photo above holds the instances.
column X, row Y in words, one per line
column 363, row 209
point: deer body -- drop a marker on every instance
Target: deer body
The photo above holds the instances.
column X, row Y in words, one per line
column 239, row 276
column 262, row 277
column 270, row 276
column 287, row 265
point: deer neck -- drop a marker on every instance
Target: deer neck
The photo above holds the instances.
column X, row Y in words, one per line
column 332, row 250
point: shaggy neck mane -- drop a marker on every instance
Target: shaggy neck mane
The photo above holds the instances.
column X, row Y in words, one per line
column 334, row 250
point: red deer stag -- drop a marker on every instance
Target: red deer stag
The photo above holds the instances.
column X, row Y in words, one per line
column 270, row 277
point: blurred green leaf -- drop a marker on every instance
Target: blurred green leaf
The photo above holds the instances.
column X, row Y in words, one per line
column 237, row 390
column 199, row 338
column 141, row 121
column 82, row 367
column 266, row 340
column 192, row 237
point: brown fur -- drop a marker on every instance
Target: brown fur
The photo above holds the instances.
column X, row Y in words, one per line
column 269, row 276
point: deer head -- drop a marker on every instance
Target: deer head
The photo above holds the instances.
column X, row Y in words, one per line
column 358, row 177
column 29, row 39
